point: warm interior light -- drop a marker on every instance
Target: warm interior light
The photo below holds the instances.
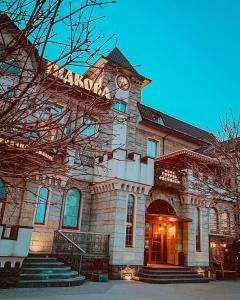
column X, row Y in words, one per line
column 213, row 245
column 160, row 228
column 171, row 229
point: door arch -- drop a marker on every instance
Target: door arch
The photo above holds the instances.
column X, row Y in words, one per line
column 161, row 229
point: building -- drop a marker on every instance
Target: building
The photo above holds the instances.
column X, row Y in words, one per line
column 138, row 205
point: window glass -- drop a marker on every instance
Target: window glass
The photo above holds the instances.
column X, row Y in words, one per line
column 120, row 106
column 158, row 120
column 71, row 208
column 89, row 129
column 130, row 221
column 41, row 206
column 152, row 148
column 213, row 221
column 198, row 229
column 226, row 222
column 10, row 65
column 3, row 193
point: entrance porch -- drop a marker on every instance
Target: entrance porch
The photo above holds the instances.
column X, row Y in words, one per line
column 163, row 236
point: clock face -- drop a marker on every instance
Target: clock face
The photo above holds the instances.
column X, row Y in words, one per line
column 123, row 82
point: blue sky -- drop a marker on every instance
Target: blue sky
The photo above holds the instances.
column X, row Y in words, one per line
column 191, row 51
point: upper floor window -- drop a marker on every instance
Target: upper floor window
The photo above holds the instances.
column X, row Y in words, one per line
column 225, row 222
column 158, row 120
column 120, row 106
column 130, row 221
column 213, row 220
column 198, row 229
column 41, row 205
column 152, row 148
column 3, row 195
column 72, row 208
column 89, row 129
column 9, row 65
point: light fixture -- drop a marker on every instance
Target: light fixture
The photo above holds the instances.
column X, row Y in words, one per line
column 213, row 245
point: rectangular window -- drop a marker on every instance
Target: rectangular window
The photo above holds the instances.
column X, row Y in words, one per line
column 89, row 129
column 41, row 206
column 152, row 148
column 198, row 230
column 120, row 106
column 130, row 221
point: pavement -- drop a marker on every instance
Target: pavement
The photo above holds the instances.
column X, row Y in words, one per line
column 130, row 290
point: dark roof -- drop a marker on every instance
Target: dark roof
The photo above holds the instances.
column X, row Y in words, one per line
column 119, row 59
column 150, row 115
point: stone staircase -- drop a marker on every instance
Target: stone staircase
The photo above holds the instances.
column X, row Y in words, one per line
column 43, row 271
column 170, row 275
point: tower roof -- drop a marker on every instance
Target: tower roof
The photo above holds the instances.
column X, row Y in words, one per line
column 118, row 58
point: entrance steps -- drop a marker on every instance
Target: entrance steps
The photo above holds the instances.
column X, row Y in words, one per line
column 170, row 275
column 43, row 271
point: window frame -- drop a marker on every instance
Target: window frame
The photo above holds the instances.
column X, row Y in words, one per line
column 3, row 201
column 119, row 102
column 87, row 128
column 226, row 230
column 79, row 210
column 156, row 149
column 11, row 62
column 132, row 245
column 211, row 230
column 198, row 231
column 46, row 207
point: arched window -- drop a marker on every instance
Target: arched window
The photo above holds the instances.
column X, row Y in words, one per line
column 130, row 221
column 213, row 220
column 225, row 222
column 3, row 195
column 198, row 229
column 41, row 205
column 72, row 209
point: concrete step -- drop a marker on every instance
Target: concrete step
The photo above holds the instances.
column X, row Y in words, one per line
column 43, row 264
column 172, row 269
column 166, row 271
column 45, row 270
column 169, row 276
column 43, row 276
column 173, row 280
column 51, row 282
column 34, row 259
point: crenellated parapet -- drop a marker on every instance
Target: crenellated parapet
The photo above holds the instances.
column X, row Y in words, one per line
column 119, row 164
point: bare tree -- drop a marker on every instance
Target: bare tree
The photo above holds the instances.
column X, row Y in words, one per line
column 218, row 178
column 52, row 121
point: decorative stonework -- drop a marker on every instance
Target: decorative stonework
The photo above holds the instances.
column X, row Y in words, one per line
column 170, row 198
column 116, row 184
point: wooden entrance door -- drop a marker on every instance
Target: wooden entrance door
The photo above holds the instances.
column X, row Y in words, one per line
column 155, row 242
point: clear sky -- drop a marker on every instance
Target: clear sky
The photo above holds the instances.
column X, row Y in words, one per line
column 189, row 48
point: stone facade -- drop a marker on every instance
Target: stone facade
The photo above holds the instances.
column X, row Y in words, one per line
column 104, row 194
